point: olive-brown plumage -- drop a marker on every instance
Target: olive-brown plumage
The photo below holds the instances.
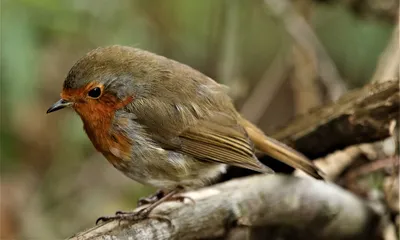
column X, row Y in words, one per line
column 163, row 123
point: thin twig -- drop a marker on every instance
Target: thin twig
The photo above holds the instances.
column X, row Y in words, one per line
column 228, row 62
column 334, row 164
column 372, row 167
column 388, row 65
column 266, row 89
column 303, row 34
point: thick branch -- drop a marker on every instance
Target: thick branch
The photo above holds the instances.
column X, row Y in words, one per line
column 314, row 208
column 361, row 116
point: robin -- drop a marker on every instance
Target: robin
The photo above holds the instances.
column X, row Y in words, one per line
column 163, row 123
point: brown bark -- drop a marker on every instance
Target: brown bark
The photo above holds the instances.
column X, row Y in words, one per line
column 361, row 116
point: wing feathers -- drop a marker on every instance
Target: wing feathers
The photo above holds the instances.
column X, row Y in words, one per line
column 233, row 144
column 214, row 146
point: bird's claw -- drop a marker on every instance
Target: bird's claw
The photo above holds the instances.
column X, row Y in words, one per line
column 145, row 201
column 133, row 217
column 152, row 198
column 142, row 214
column 105, row 219
column 156, row 197
column 121, row 212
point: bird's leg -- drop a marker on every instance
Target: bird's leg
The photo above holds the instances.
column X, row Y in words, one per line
column 159, row 195
column 173, row 197
column 144, row 213
column 152, row 198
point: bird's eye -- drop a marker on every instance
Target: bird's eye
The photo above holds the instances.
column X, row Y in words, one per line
column 95, row 92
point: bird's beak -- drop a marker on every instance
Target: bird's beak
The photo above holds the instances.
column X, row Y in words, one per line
column 60, row 104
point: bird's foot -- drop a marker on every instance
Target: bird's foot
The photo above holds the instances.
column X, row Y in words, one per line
column 152, row 198
column 161, row 194
column 134, row 216
column 142, row 214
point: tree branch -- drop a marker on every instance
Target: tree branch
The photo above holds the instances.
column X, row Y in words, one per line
column 361, row 116
column 314, row 208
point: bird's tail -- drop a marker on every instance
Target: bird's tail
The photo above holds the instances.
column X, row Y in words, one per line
column 280, row 151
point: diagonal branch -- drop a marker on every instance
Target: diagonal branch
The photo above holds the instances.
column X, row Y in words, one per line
column 361, row 116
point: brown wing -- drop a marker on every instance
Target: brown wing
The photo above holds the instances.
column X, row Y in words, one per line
column 203, row 133
column 225, row 144
column 185, row 111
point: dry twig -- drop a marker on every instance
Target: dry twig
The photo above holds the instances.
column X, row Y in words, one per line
column 360, row 116
column 304, row 36
column 391, row 162
column 334, row 164
column 266, row 89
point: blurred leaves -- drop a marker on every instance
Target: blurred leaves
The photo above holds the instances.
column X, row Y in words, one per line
column 353, row 43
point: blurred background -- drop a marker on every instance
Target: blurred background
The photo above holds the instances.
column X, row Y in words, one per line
column 280, row 58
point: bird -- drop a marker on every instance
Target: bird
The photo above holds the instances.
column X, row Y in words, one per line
column 163, row 123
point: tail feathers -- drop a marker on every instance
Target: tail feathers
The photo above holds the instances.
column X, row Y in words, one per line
column 289, row 156
column 281, row 151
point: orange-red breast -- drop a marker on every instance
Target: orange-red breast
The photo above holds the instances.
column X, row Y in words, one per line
column 161, row 122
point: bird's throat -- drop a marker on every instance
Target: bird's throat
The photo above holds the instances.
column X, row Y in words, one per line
column 98, row 129
column 98, row 120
